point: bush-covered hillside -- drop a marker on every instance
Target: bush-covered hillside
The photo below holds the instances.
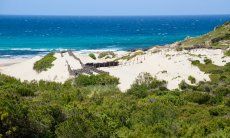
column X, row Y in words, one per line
column 94, row 107
column 219, row 37
column 44, row 63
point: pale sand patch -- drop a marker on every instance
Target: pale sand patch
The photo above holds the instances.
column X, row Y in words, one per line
column 168, row 65
column 11, row 61
column 217, row 56
column 24, row 70
column 84, row 56
column 59, row 72
column 74, row 64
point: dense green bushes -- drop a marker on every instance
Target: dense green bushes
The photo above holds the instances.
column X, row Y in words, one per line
column 44, row 63
column 197, row 97
column 92, row 106
column 101, row 79
column 195, row 62
column 144, row 84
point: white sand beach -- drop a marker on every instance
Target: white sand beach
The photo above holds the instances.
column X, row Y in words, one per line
column 164, row 63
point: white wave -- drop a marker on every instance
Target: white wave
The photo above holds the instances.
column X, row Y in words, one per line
column 34, row 49
column 98, row 50
column 43, row 51
column 4, row 56
column 28, row 49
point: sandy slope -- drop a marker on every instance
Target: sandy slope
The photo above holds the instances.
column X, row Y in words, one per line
column 74, row 64
column 166, row 64
column 11, row 61
column 24, row 70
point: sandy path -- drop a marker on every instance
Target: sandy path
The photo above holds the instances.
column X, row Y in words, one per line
column 74, row 64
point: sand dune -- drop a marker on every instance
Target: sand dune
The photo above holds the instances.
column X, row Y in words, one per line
column 166, row 64
column 24, row 70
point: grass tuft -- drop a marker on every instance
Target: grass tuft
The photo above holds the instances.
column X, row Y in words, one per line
column 45, row 63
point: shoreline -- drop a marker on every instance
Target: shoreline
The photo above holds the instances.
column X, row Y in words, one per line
column 45, row 51
column 14, row 59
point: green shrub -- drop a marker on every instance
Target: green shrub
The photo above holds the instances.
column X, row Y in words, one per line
column 216, row 71
column 227, row 103
column 215, row 100
column 150, row 82
column 24, row 91
column 92, row 56
column 227, row 53
column 198, row 97
column 192, row 79
column 101, row 79
column 183, row 85
column 219, row 111
column 131, row 55
column 106, row 54
column 222, row 90
column 179, row 48
column 140, row 91
column 145, row 83
column 44, row 63
column 195, row 62
column 207, row 61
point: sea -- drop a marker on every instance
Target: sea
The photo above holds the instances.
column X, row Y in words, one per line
column 25, row 36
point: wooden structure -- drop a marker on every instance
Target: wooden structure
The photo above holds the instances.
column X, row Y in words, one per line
column 105, row 64
column 85, row 69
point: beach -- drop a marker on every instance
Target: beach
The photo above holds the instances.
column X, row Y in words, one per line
column 164, row 63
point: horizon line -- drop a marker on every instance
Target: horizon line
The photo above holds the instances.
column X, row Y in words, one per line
column 116, row 15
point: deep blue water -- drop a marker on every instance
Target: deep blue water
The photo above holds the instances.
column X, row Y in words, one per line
column 30, row 35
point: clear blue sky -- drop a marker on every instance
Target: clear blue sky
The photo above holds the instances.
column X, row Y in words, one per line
column 114, row 7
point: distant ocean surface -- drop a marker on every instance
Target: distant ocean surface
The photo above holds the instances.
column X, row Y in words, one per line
column 31, row 35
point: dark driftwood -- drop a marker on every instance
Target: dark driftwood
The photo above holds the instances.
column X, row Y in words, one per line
column 105, row 64
column 85, row 69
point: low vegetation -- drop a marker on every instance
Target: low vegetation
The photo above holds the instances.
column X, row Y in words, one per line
column 207, row 61
column 217, row 73
column 227, row 53
column 218, row 38
column 192, row 79
column 92, row 56
column 45, row 63
column 101, row 79
column 107, row 54
column 93, row 106
column 131, row 55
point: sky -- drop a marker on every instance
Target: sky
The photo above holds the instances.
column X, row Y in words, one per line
column 114, row 7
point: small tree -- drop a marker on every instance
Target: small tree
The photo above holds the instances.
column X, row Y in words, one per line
column 192, row 79
column 207, row 61
column 92, row 56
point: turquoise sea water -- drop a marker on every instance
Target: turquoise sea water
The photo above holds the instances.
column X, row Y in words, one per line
column 30, row 35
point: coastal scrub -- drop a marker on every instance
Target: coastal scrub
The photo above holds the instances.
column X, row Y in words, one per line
column 45, row 63
column 106, row 54
column 92, row 56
